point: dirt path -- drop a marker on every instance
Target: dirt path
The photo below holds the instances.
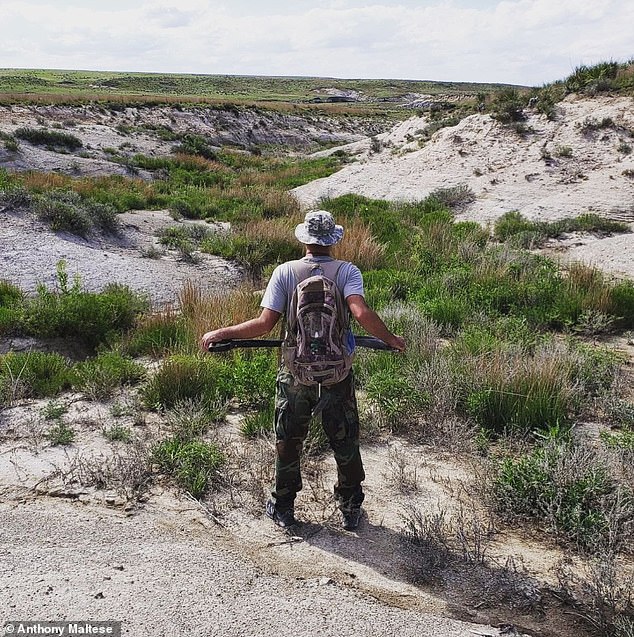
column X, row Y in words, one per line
column 170, row 573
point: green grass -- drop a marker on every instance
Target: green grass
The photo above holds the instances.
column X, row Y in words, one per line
column 192, row 464
column 33, row 375
column 259, row 423
column 569, row 491
column 100, row 376
column 187, row 377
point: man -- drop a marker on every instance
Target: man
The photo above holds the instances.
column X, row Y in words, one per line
column 295, row 402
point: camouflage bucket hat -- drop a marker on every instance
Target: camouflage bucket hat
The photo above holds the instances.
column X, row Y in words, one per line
column 319, row 228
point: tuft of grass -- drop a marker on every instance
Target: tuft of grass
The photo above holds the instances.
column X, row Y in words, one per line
column 193, row 464
column 117, row 433
column 161, row 333
column 54, row 410
column 100, row 376
column 190, row 419
column 33, row 375
column 61, row 433
column 187, row 377
column 259, row 423
column 360, row 247
column 208, row 312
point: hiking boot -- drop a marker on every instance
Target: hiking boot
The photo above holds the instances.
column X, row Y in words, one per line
column 350, row 518
column 283, row 518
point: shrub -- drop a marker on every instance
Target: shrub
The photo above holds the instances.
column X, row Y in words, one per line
column 55, row 139
column 61, row 434
column 193, row 464
column 360, row 247
column 100, row 376
column 569, row 491
column 54, row 410
column 453, row 197
column 91, row 317
column 194, row 144
column 182, row 377
column 65, row 210
column 512, row 223
column 592, row 79
column 190, row 419
column 508, row 106
column 33, row 374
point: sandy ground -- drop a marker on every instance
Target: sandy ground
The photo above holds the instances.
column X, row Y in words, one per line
column 29, row 253
column 165, row 573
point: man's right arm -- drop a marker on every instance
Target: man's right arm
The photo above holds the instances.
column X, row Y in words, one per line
column 370, row 321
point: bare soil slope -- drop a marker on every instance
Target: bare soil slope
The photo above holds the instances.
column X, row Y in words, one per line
column 580, row 162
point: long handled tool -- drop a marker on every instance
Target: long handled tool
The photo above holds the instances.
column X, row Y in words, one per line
column 371, row 342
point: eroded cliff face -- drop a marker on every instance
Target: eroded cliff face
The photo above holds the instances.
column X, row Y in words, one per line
column 111, row 134
column 582, row 161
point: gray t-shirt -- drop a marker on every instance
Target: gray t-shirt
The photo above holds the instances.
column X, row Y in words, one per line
column 279, row 291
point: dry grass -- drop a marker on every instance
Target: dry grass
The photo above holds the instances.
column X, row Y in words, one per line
column 359, row 246
column 602, row 593
column 39, row 182
column 205, row 313
column 589, row 282
column 272, row 230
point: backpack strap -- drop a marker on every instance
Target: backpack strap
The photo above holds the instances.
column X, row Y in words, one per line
column 304, row 269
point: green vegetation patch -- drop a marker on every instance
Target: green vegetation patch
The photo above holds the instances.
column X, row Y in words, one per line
column 528, row 234
column 53, row 139
column 193, row 464
column 569, row 491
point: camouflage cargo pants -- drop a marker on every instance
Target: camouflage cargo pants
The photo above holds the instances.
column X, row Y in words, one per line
column 294, row 404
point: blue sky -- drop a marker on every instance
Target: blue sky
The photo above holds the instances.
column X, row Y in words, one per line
column 515, row 41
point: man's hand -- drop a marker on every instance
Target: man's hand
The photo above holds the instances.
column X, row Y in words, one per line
column 397, row 342
column 211, row 337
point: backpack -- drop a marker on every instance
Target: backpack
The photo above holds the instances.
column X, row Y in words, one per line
column 314, row 349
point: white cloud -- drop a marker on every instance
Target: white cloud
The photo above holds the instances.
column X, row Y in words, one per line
column 519, row 41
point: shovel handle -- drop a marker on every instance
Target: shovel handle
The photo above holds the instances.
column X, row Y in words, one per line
column 370, row 342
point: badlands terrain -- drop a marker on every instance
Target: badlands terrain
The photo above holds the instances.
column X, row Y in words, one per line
column 171, row 565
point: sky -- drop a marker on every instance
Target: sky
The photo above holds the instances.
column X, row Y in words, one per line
column 529, row 42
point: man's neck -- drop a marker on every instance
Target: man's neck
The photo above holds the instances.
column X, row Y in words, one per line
column 318, row 252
